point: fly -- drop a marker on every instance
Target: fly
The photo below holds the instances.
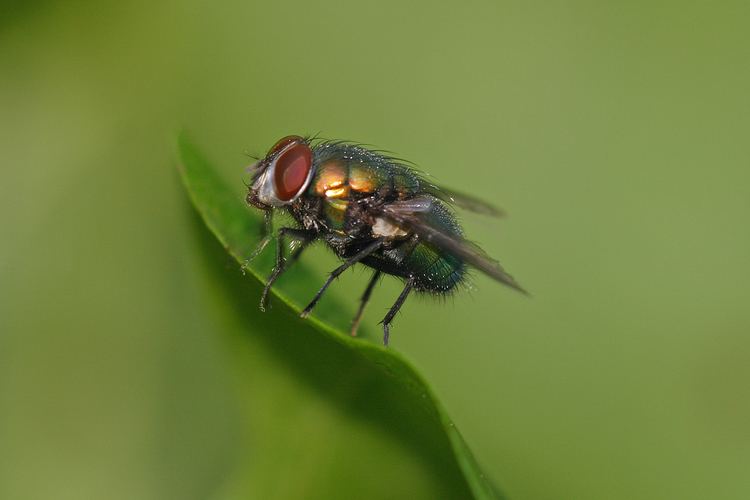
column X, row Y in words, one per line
column 370, row 209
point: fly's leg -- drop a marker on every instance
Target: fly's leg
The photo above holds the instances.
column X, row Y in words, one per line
column 369, row 249
column 365, row 299
column 394, row 309
column 299, row 234
column 266, row 233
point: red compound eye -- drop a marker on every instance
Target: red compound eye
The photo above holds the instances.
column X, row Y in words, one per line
column 292, row 168
column 282, row 143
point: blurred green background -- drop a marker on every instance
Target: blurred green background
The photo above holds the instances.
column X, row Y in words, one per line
column 614, row 133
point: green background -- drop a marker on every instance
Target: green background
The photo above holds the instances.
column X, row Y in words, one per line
column 614, row 133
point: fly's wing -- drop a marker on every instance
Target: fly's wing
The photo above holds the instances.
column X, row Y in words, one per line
column 411, row 214
column 467, row 202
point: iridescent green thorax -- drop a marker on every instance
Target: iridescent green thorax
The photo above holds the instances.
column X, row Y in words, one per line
column 344, row 172
column 363, row 171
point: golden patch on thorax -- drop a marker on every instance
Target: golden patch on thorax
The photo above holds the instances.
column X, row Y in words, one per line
column 338, row 205
column 331, row 176
column 337, row 192
column 362, row 179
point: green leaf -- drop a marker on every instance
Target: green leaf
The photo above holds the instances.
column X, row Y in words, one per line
column 397, row 396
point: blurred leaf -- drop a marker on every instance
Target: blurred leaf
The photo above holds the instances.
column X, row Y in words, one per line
column 386, row 390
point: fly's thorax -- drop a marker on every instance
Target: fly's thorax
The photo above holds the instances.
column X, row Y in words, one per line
column 347, row 177
column 343, row 169
column 339, row 179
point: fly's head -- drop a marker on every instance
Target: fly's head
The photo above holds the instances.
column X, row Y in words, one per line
column 283, row 175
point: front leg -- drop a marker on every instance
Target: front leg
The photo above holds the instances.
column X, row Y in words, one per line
column 305, row 237
column 266, row 232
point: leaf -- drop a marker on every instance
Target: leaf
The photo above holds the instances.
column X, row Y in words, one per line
column 409, row 406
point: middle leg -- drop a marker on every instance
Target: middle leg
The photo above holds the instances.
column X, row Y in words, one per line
column 365, row 299
column 369, row 249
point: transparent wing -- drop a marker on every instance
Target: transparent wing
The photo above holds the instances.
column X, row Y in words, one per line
column 467, row 202
column 410, row 216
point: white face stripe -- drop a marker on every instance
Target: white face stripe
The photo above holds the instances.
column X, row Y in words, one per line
column 265, row 189
column 265, row 186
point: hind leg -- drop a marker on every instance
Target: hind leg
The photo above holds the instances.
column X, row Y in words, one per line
column 394, row 309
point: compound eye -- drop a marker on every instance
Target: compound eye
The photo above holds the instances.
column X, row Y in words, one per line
column 292, row 169
column 282, row 143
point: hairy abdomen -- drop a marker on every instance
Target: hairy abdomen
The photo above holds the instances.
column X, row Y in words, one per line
column 435, row 271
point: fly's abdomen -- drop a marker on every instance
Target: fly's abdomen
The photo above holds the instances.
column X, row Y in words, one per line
column 434, row 269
